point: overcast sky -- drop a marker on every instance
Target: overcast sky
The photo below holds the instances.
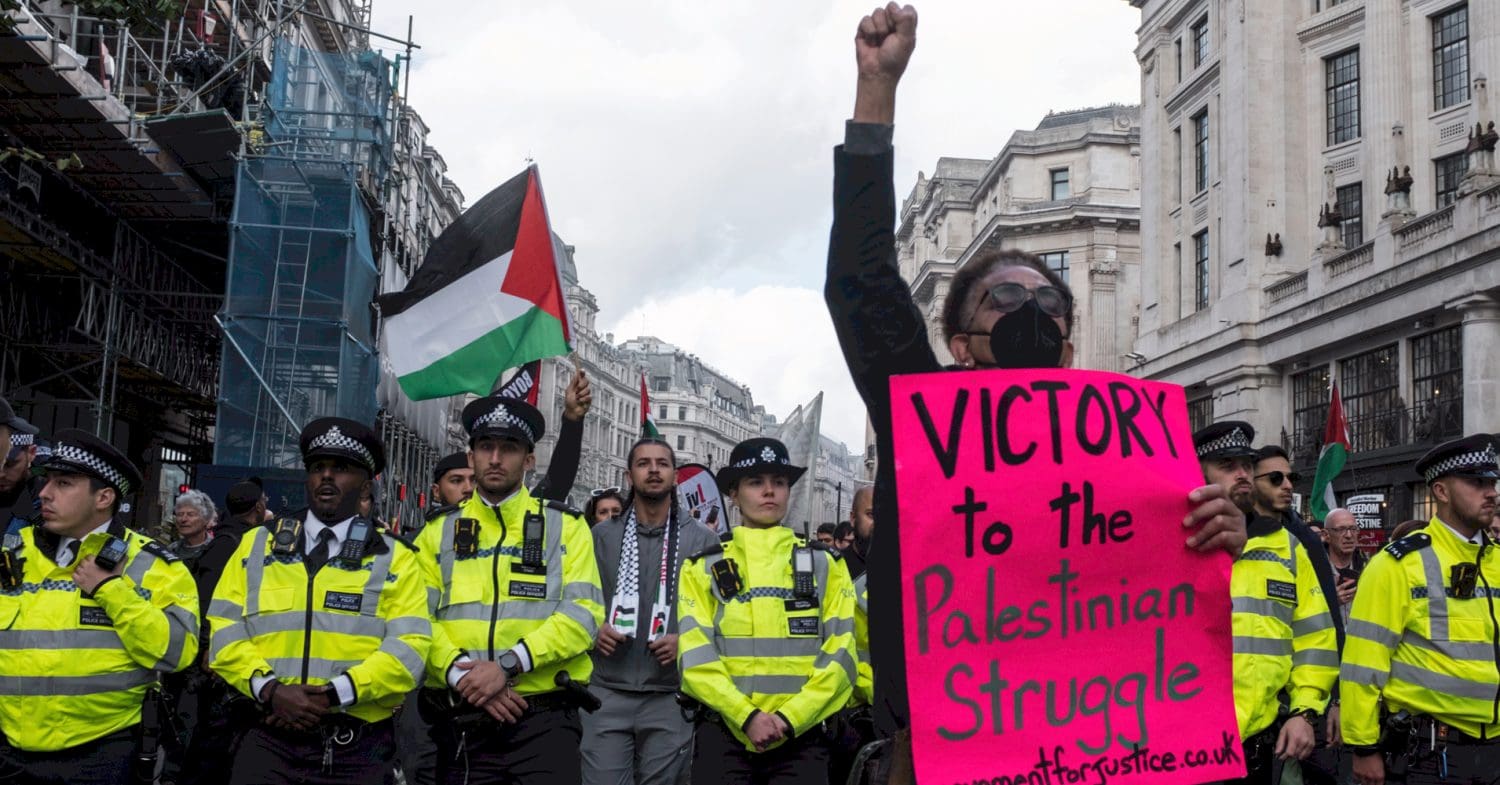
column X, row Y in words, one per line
column 685, row 147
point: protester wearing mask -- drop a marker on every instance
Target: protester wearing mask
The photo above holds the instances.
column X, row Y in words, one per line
column 639, row 735
column 1004, row 309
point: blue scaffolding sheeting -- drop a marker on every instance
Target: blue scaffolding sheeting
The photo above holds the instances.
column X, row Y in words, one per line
column 298, row 327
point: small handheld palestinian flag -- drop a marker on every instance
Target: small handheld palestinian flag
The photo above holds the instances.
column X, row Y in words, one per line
column 487, row 297
column 648, row 425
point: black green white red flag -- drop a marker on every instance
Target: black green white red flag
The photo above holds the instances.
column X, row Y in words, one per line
column 487, row 297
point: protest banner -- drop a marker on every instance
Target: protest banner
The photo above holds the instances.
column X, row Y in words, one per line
column 698, row 493
column 1369, row 514
column 1057, row 628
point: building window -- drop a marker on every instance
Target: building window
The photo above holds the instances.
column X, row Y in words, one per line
column 1057, row 261
column 1059, row 184
column 1437, row 376
column 1342, row 86
column 1450, row 58
column 682, row 412
column 1179, row 61
column 1177, row 163
column 661, row 383
column 1309, row 414
column 1201, row 412
column 1200, row 41
column 663, row 412
column 682, row 442
column 1200, row 270
column 1351, row 206
column 1370, row 384
column 1200, row 152
column 1422, row 507
column 1450, row 172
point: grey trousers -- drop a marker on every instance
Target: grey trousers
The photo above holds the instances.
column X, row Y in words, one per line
column 636, row 738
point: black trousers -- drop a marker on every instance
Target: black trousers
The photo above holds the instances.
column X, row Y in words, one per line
column 103, row 761
column 541, row 748
column 720, row 759
column 1454, row 764
column 273, row 757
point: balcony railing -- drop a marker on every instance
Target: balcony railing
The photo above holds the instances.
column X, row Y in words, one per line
column 1424, row 424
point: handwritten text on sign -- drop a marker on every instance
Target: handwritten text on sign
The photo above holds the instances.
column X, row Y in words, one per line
column 1057, row 629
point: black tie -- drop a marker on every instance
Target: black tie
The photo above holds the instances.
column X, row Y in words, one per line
column 319, row 555
column 65, row 553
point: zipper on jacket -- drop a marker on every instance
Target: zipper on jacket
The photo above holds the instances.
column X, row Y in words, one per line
column 307, row 626
column 495, row 583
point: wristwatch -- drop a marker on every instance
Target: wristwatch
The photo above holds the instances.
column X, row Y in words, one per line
column 1311, row 715
column 510, row 662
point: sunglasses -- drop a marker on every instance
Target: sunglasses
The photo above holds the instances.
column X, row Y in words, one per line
column 597, row 492
column 1009, row 296
column 1277, row 478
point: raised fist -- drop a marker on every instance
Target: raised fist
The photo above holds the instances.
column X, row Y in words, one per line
column 885, row 41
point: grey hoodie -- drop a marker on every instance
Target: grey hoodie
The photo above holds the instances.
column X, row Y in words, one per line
column 632, row 668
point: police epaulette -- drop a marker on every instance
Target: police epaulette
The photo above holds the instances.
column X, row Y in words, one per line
column 159, row 551
column 440, row 512
column 564, row 508
column 709, row 551
column 826, row 548
column 1411, row 543
column 401, row 539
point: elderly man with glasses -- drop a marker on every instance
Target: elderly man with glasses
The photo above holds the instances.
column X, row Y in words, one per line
column 1347, row 559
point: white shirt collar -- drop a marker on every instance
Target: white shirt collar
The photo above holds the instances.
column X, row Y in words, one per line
column 66, row 541
column 496, row 507
column 1477, row 539
column 312, row 527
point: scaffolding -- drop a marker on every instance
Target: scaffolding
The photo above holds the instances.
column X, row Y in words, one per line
column 298, row 328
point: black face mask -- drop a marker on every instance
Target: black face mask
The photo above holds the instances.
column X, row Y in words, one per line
column 1026, row 338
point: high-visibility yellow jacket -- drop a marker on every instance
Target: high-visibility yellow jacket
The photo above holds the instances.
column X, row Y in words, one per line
column 268, row 618
column 758, row 649
column 1283, row 632
column 864, row 685
column 1413, row 644
column 488, row 602
column 75, row 668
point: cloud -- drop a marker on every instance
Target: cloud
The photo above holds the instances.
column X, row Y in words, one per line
column 777, row 339
column 681, row 135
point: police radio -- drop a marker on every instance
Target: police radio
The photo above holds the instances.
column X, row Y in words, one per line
column 466, row 537
column 11, row 569
column 353, row 551
column 532, row 529
column 287, row 537
column 113, row 552
column 802, row 573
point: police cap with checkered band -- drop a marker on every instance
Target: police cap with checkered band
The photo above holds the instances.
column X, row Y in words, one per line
column 498, row 417
column 1226, row 439
column 81, row 452
column 336, row 437
column 758, row 456
column 1472, row 456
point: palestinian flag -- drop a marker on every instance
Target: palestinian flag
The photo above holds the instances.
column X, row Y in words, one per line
column 524, row 383
column 1331, row 460
column 487, row 297
column 648, row 425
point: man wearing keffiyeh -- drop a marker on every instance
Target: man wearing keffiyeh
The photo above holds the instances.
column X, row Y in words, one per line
column 640, row 735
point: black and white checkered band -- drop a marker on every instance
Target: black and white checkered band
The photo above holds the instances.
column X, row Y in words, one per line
column 334, row 439
column 1478, row 460
column 22, row 439
column 78, row 456
column 767, row 455
column 1235, row 439
column 502, row 417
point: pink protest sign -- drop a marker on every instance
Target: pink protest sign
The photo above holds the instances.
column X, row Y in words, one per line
column 1057, row 628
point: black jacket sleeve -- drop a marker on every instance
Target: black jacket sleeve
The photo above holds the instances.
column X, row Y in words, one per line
column 879, row 328
column 563, row 469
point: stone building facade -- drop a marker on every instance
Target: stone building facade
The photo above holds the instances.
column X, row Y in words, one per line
column 1320, row 204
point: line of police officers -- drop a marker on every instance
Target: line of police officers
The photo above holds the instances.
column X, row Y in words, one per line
column 324, row 622
column 1415, row 695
